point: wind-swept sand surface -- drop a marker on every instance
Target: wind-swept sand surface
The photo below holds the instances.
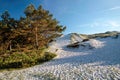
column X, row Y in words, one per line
column 101, row 62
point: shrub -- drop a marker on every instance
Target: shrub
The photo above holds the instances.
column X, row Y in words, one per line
column 24, row 59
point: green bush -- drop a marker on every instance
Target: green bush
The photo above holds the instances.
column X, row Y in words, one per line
column 24, row 59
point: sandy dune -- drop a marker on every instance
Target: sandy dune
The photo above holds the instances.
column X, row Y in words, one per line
column 102, row 62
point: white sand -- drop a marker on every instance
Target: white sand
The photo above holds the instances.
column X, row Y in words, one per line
column 102, row 62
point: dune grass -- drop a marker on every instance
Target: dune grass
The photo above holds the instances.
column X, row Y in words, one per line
column 101, row 35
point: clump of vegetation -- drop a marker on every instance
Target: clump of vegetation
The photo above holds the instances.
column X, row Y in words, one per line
column 74, row 45
column 24, row 59
column 22, row 41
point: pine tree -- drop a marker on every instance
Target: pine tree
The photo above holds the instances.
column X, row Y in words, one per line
column 43, row 25
column 37, row 29
column 7, row 32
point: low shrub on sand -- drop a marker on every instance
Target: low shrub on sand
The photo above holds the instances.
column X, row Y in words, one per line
column 24, row 59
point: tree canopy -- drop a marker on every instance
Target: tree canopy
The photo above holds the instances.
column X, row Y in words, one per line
column 33, row 31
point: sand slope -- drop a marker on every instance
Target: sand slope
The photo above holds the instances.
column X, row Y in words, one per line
column 102, row 62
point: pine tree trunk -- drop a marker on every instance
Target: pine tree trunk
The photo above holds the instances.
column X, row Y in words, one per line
column 9, row 46
column 36, row 38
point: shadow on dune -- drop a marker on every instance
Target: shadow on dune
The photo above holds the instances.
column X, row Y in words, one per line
column 107, row 55
column 105, row 58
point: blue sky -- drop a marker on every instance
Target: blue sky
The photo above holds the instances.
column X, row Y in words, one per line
column 81, row 16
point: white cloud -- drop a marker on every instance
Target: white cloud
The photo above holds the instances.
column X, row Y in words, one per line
column 114, row 8
column 112, row 24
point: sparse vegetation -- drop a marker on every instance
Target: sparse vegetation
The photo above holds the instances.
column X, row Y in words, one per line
column 101, row 35
column 104, row 35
